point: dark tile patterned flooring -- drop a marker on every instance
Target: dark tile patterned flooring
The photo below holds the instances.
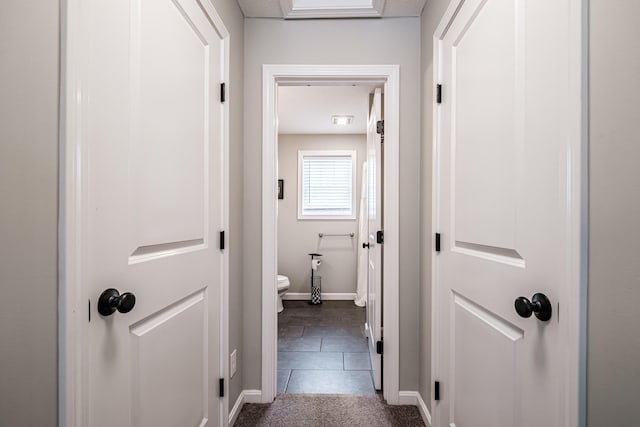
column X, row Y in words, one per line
column 323, row 349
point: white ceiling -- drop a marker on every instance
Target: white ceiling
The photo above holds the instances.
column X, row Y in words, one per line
column 308, row 109
column 307, row 9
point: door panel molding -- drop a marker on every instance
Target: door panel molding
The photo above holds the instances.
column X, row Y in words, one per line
column 153, row 369
column 501, row 325
column 389, row 76
column 472, row 327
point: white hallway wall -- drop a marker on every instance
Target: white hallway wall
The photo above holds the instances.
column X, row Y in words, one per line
column 364, row 41
column 613, row 361
column 297, row 238
column 28, row 214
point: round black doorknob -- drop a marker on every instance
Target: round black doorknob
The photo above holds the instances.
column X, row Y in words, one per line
column 539, row 304
column 524, row 307
column 366, row 245
column 111, row 300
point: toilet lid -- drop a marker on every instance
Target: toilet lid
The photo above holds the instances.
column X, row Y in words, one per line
column 283, row 282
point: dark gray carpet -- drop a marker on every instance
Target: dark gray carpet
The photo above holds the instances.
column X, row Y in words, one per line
column 327, row 410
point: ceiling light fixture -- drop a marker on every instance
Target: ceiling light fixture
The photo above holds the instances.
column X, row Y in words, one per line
column 341, row 120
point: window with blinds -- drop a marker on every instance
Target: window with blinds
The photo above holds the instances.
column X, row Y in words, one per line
column 326, row 184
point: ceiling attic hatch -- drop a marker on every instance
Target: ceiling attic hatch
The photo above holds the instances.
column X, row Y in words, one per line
column 314, row 9
column 305, row 9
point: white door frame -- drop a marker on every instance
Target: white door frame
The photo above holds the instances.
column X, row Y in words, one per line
column 574, row 312
column 389, row 76
column 73, row 339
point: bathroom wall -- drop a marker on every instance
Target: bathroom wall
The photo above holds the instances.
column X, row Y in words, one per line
column 335, row 41
column 297, row 238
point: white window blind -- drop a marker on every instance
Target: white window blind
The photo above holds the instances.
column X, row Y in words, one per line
column 326, row 184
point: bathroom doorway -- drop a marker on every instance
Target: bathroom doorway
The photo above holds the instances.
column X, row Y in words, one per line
column 328, row 329
column 329, row 193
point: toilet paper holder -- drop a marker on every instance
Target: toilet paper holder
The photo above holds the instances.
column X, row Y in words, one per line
column 316, row 281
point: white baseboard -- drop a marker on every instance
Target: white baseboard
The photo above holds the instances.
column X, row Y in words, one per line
column 246, row 396
column 414, row 398
column 235, row 411
column 329, row 296
column 252, row 396
column 424, row 411
column 408, row 398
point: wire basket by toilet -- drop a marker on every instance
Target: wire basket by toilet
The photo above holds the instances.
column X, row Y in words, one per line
column 316, row 290
column 316, row 280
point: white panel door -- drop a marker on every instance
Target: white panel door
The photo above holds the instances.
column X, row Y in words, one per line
column 502, row 212
column 374, row 215
column 154, row 134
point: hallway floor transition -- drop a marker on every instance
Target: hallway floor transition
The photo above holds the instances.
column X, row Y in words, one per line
column 324, row 373
column 327, row 410
column 323, row 349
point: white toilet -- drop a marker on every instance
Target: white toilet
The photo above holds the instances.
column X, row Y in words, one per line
column 283, row 287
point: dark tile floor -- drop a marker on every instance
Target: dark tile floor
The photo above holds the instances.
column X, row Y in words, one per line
column 323, row 349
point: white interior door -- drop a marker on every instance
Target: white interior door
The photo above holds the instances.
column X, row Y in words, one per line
column 502, row 212
column 154, row 137
column 374, row 208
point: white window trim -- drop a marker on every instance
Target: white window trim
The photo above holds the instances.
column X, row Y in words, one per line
column 328, row 153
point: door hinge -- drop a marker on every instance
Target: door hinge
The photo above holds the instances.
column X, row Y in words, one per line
column 89, row 301
column 221, row 391
column 223, row 94
column 380, row 130
column 379, row 347
column 380, row 237
column 436, row 391
column 438, row 94
column 222, row 240
column 437, row 242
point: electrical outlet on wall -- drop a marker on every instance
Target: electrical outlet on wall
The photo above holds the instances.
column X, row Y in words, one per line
column 232, row 363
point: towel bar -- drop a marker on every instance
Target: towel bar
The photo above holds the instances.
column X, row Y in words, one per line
column 321, row 235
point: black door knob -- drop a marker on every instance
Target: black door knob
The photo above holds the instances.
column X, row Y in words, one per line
column 111, row 300
column 539, row 304
column 366, row 245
